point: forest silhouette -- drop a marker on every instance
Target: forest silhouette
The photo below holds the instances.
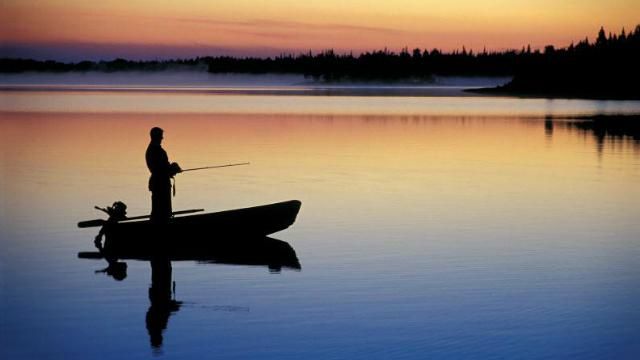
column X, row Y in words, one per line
column 604, row 68
column 607, row 68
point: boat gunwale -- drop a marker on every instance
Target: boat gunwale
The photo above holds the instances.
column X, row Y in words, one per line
column 172, row 220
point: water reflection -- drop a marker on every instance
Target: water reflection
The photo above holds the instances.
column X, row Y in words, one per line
column 421, row 238
column 116, row 269
column 607, row 131
column 163, row 305
column 271, row 253
column 548, row 127
column 614, row 129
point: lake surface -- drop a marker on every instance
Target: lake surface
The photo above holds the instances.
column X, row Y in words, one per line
column 431, row 227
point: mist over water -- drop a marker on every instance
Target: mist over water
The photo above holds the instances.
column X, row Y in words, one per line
column 163, row 78
column 430, row 227
column 264, row 84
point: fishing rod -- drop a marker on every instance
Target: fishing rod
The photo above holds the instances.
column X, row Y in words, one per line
column 215, row 166
column 203, row 168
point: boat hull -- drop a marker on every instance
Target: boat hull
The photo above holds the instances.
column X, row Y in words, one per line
column 202, row 232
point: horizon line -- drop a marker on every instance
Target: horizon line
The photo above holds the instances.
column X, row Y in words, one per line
column 76, row 51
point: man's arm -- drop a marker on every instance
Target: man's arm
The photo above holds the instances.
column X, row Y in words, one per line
column 158, row 162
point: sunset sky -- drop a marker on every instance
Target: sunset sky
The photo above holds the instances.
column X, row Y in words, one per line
column 78, row 29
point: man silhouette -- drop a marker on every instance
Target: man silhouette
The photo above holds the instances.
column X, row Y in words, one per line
column 160, row 181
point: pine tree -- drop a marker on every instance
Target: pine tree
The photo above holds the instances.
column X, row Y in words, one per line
column 602, row 38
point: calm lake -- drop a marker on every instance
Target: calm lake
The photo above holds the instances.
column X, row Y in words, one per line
column 432, row 227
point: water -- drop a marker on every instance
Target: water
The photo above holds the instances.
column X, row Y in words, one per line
column 431, row 227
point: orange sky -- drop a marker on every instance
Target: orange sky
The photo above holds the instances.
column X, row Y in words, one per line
column 269, row 27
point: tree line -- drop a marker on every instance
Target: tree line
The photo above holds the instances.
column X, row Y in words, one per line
column 604, row 68
column 326, row 65
column 382, row 65
column 17, row 65
column 609, row 62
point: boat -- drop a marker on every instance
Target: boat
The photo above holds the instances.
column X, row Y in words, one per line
column 190, row 234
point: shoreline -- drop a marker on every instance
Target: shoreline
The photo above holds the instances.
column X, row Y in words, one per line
column 338, row 90
column 276, row 90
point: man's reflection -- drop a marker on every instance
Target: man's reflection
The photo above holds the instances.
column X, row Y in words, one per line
column 162, row 303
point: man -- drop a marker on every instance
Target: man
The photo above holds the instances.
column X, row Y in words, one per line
column 160, row 181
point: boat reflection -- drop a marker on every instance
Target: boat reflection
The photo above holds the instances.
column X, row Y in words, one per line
column 268, row 252
column 272, row 253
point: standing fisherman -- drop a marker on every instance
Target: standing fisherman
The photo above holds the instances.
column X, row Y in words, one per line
column 160, row 181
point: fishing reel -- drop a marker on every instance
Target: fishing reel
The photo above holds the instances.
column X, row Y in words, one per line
column 117, row 211
column 174, row 169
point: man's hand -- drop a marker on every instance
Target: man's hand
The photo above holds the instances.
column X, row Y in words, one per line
column 175, row 168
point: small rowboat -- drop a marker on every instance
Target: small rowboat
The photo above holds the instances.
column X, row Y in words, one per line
column 200, row 232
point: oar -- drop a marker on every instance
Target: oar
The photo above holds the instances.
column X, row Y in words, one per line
column 100, row 222
column 215, row 166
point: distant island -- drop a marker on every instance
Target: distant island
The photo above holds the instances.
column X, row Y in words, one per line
column 606, row 68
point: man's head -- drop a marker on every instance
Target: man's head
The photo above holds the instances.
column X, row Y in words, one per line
column 156, row 135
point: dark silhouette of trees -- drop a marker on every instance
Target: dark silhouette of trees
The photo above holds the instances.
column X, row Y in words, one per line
column 11, row 65
column 606, row 68
column 384, row 65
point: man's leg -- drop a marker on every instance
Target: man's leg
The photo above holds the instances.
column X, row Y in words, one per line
column 161, row 205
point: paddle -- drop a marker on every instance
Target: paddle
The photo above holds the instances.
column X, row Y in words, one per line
column 215, row 166
column 100, row 222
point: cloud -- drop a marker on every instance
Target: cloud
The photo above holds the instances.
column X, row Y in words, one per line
column 266, row 25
